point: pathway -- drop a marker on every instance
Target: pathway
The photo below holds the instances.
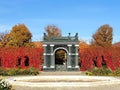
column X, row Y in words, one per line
column 64, row 81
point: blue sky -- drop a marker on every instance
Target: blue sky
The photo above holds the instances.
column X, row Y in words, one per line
column 82, row 16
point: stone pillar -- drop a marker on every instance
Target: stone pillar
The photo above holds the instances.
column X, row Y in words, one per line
column 44, row 65
column 76, row 57
column 52, row 57
column 69, row 57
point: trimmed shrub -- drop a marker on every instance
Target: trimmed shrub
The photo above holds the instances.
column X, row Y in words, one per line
column 99, row 72
column 17, row 71
column 115, row 73
column 29, row 71
column 103, row 72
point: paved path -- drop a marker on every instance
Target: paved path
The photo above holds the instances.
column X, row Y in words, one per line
column 61, row 73
column 109, row 87
column 64, row 81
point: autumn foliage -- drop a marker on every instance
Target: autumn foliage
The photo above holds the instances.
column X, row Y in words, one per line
column 103, row 36
column 52, row 31
column 21, row 57
column 17, row 50
column 95, row 56
column 18, row 36
column 101, row 52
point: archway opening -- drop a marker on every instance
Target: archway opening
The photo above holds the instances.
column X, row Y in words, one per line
column 60, row 57
column 18, row 62
column 26, row 61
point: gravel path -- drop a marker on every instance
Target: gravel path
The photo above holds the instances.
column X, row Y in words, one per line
column 64, row 81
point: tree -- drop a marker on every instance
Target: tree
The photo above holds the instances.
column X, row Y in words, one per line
column 19, row 36
column 53, row 30
column 83, row 45
column 3, row 35
column 103, row 37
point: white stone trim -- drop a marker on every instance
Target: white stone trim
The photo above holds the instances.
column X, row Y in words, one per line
column 51, row 66
column 46, row 54
column 76, row 45
column 76, row 66
column 74, row 54
column 44, row 66
column 52, row 45
column 77, row 54
column 60, row 48
column 69, row 53
column 52, row 54
column 69, row 66
column 69, row 45
column 44, row 45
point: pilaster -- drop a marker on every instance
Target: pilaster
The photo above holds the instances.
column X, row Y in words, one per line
column 69, row 56
column 52, row 57
column 76, row 59
column 44, row 65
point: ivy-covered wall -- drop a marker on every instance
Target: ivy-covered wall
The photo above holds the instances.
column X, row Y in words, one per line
column 21, row 57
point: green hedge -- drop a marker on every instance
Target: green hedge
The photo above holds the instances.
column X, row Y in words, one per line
column 103, row 72
column 17, row 71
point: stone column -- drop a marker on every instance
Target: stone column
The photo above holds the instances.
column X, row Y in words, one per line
column 52, row 57
column 69, row 57
column 76, row 57
column 44, row 65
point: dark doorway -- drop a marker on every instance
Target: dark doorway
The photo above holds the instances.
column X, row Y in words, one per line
column 60, row 60
column 18, row 62
column 26, row 61
column 60, row 57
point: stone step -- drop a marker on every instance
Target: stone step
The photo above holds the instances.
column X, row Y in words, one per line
column 63, row 81
column 59, row 78
column 60, row 81
column 47, row 73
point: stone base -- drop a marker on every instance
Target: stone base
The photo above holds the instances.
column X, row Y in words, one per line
column 61, row 68
column 48, row 69
column 73, row 69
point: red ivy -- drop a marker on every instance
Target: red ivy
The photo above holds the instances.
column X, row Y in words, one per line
column 9, row 57
column 98, row 57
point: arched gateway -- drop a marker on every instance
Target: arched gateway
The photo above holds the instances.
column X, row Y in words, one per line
column 67, row 46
